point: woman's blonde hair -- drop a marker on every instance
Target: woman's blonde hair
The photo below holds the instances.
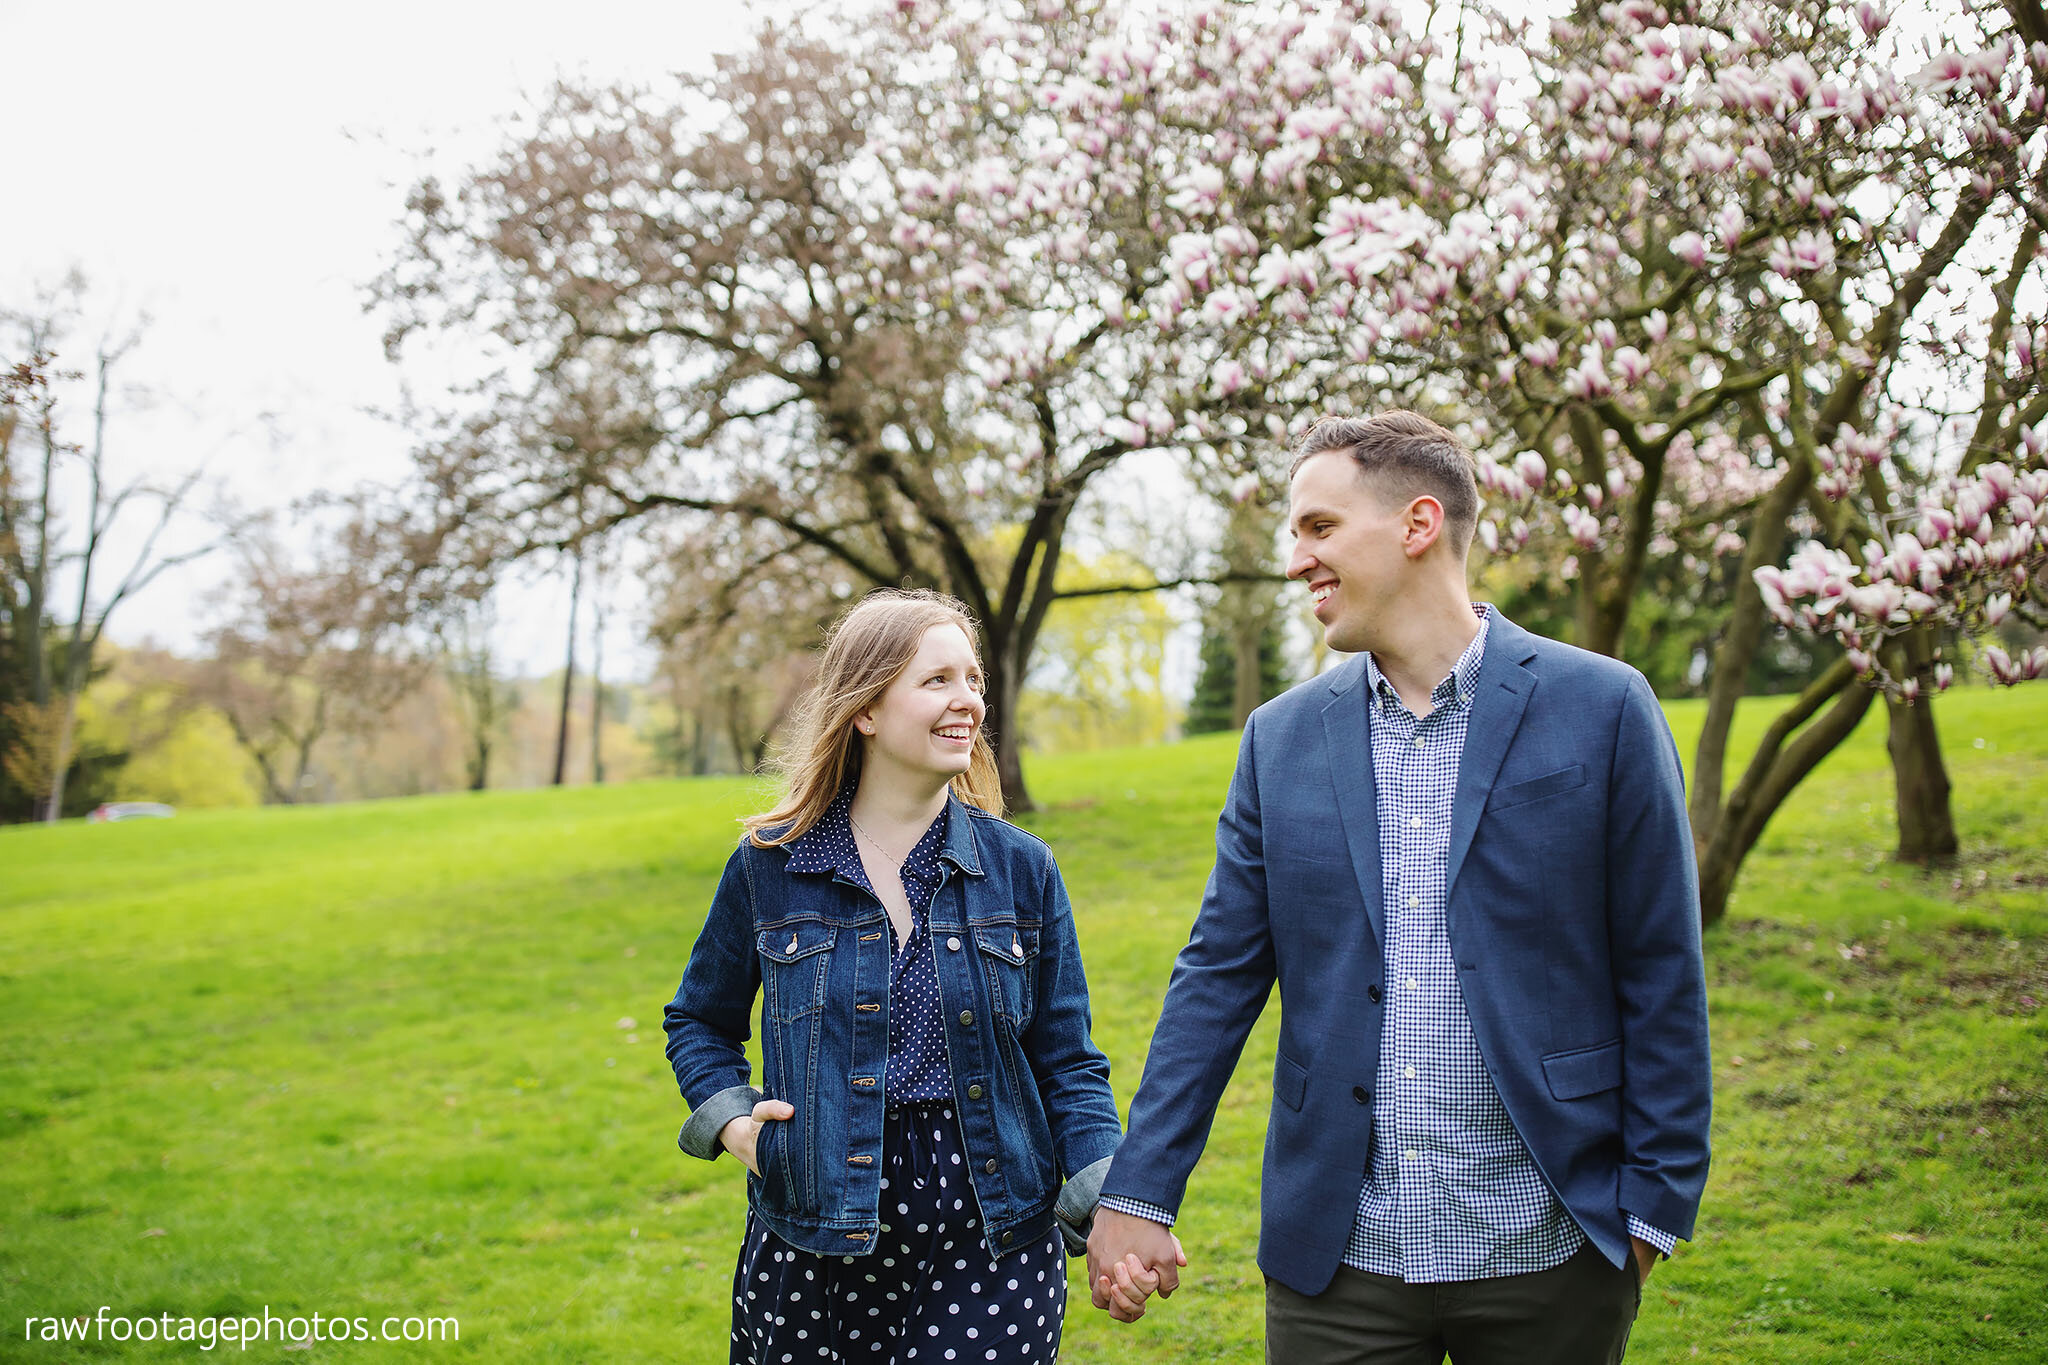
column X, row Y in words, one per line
column 867, row 649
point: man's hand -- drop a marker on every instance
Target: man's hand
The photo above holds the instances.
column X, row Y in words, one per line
column 1130, row 1259
column 1646, row 1258
column 739, row 1136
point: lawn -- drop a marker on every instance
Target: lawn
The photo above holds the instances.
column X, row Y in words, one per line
column 404, row 1058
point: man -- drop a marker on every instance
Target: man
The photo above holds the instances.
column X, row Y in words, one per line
column 1463, row 857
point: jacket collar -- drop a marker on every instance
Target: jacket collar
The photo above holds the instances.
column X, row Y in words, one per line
column 814, row 849
column 1500, row 693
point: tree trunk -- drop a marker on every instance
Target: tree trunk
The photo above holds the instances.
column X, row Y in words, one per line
column 1774, row 770
column 1736, row 649
column 1927, row 827
column 1001, row 724
column 60, row 761
column 597, row 685
column 1247, row 634
column 700, row 742
column 568, row 674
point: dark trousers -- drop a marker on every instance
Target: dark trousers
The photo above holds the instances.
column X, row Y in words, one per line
column 1579, row 1313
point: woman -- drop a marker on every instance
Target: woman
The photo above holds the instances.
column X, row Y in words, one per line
column 927, row 1073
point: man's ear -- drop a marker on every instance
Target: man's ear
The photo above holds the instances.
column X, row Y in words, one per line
column 1422, row 525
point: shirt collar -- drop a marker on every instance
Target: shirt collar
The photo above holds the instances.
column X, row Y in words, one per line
column 1456, row 688
column 828, row 845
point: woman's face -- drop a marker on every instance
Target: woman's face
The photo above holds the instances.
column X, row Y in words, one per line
column 926, row 721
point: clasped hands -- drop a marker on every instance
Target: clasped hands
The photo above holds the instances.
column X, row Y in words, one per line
column 1130, row 1259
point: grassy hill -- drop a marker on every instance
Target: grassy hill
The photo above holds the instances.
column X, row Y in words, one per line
column 404, row 1058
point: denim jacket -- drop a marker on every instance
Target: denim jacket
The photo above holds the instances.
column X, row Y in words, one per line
column 1029, row 1085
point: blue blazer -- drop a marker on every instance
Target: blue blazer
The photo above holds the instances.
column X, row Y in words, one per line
column 1573, row 915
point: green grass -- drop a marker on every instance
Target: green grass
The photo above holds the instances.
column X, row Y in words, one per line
column 377, row 1059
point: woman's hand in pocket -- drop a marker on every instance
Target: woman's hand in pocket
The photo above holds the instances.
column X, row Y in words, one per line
column 739, row 1136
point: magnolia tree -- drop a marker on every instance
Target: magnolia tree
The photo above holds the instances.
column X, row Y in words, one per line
column 718, row 314
column 1699, row 281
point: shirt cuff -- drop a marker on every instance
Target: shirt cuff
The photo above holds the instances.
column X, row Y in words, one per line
column 699, row 1136
column 1656, row 1237
column 1138, row 1208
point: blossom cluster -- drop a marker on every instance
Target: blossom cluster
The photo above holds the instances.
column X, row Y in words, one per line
column 1971, row 550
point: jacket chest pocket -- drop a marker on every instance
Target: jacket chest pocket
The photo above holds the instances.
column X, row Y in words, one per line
column 1009, row 959
column 793, row 959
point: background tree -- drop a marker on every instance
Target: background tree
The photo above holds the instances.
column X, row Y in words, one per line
column 752, row 254
column 312, row 649
column 51, row 651
column 483, row 697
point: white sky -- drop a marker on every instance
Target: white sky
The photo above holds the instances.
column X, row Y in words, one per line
column 236, row 171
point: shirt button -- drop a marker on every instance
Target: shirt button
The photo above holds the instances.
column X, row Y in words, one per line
column 1415, row 822
column 966, row 1016
column 1409, row 1072
column 1408, row 1155
column 989, row 1166
column 952, row 945
column 1414, row 901
column 1418, row 741
column 973, row 1092
column 1411, row 983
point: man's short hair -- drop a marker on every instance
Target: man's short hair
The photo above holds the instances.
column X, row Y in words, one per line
column 1403, row 455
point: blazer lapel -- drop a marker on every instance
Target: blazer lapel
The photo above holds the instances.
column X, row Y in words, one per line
column 1498, row 701
column 1348, row 741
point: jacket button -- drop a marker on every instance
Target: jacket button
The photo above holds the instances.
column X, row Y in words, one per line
column 990, row 1166
column 1372, row 993
column 952, row 945
column 1361, row 1094
column 1009, row 1237
column 967, row 1016
column 973, row 1092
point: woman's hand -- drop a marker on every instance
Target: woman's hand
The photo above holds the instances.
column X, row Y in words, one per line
column 739, row 1136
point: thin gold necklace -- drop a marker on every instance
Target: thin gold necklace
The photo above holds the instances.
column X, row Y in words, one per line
column 895, row 862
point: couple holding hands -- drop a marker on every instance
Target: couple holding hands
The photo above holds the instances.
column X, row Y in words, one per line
column 1463, row 857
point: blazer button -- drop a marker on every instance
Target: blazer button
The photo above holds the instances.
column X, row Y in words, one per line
column 967, row 1016
column 973, row 1092
column 1372, row 993
column 990, row 1166
column 1361, row 1094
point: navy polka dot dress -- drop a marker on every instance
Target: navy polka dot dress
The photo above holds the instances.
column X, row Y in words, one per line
column 929, row 1290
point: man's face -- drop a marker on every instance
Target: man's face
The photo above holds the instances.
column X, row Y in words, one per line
column 1347, row 549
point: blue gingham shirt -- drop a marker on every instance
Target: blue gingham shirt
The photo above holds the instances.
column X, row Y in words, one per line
column 1450, row 1191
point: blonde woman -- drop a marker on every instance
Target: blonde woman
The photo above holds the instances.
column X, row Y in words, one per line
column 928, row 1080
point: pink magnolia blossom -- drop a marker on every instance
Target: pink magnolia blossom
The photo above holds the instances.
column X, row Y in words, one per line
column 1588, row 380
column 1691, row 248
column 1630, row 365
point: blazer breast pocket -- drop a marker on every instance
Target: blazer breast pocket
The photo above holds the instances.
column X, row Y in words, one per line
column 1537, row 788
column 1583, row 1071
